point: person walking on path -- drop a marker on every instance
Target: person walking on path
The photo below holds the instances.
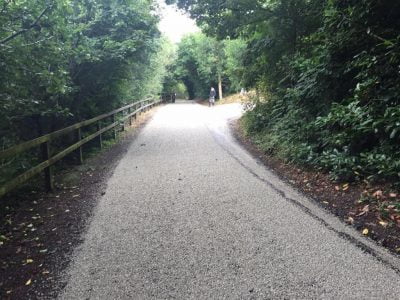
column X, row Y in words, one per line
column 212, row 97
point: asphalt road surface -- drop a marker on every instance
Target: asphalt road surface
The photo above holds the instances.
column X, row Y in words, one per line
column 189, row 214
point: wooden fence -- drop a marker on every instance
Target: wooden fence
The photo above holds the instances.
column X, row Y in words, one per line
column 128, row 113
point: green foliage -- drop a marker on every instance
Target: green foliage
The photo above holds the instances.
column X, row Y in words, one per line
column 330, row 73
column 196, row 64
column 63, row 61
column 116, row 43
column 32, row 84
column 202, row 61
column 234, row 66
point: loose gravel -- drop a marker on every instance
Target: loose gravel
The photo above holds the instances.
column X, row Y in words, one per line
column 189, row 214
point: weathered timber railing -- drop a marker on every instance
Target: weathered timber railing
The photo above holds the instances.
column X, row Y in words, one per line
column 129, row 111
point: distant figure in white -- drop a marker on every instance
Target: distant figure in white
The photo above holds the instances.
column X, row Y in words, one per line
column 211, row 100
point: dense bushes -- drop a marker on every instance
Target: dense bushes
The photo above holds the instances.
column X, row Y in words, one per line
column 328, row 74
column 63, row 61
column 341, row 108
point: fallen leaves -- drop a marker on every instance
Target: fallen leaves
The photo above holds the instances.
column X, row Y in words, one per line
column 395, row 218
column 350, row 220
column 378, row 194
column 3, row 238
column 364, row 211
column 28, row 282
column 344, row 187
column 383, row 224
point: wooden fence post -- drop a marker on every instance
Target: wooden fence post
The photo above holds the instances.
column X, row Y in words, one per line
column 130, row 118
column 123, row 121
column 100, row 135
column 114, row 119
column 79, row 153
column 48, row 172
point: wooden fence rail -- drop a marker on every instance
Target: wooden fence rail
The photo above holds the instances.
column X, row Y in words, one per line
column 129, row 111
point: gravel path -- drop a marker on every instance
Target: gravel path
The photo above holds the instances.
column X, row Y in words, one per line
column 188, row 214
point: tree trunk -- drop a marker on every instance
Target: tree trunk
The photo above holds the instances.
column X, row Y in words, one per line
column 220, row 87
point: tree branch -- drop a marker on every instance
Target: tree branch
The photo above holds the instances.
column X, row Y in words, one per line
column 38, row 42
column 13, row 36
column 4, row 7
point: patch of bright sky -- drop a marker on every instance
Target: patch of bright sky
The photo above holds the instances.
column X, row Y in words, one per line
column 174, row 23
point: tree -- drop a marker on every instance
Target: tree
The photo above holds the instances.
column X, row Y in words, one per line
column 63, row 61
column 67, row 60
column 327, row 72
column 235, row 51
column 203, row 62
column 225, row 18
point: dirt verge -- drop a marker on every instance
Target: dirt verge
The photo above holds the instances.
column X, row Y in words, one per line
column 39, row 231
column 374, row 210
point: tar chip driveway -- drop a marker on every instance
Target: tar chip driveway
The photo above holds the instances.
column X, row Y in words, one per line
column 188, row 214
